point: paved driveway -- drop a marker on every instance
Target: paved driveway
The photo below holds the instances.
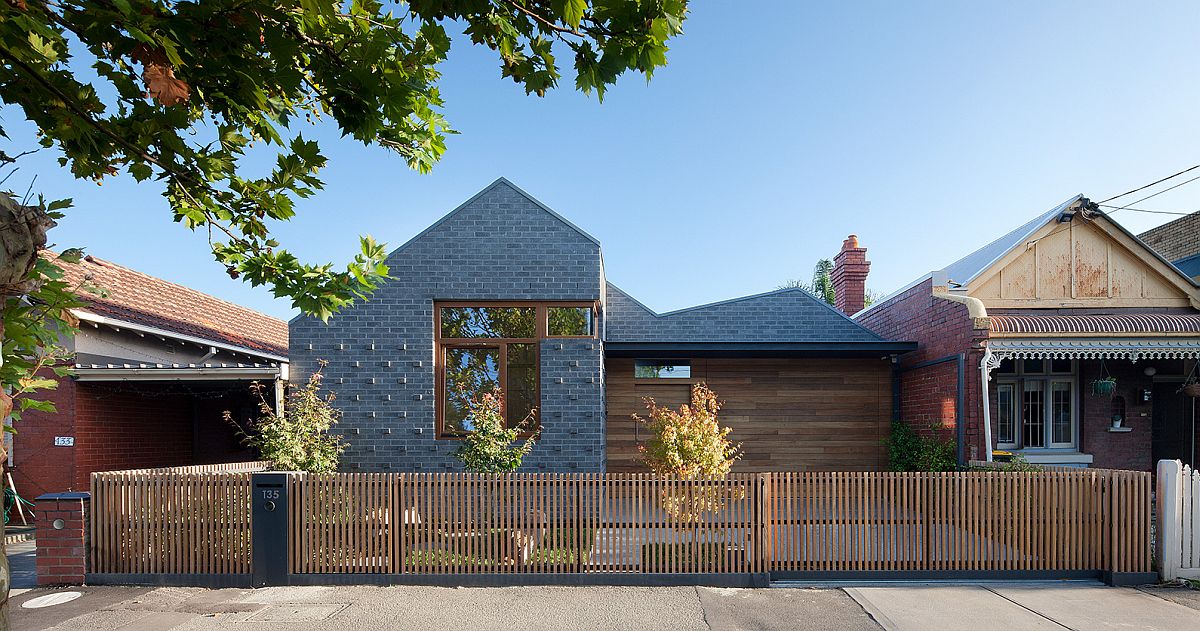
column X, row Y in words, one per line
column 1037, row 607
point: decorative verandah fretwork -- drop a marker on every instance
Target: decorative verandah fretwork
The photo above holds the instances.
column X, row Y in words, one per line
column 1131, row 349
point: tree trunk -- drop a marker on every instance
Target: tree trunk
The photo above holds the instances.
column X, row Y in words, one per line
column 22, row 237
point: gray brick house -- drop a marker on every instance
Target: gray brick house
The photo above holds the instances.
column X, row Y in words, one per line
column 505, row 292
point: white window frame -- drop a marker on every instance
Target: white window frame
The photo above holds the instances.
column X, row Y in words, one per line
column 1017, row 380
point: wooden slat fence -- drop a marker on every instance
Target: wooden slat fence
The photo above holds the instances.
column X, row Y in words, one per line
column 1082, row 519
column 1178, row 537
column 441, row 523
column 170, row 523
column 457, row 523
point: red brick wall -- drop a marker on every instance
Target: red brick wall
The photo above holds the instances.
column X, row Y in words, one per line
column 941, row 328
column 39, row 466
column 130, row 426
column 1116, row 450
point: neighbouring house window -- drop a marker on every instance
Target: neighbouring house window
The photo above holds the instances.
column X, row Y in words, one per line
column 482, row 347
column 1036, row 404
column 570, row 321
column 1006, row 423
column 653, row 369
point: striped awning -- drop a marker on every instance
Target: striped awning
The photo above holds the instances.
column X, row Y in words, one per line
column 1125, row 324
column 1132, row 349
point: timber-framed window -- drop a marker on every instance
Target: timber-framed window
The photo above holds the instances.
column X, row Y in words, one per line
column 484, row 346
column 1037, row 404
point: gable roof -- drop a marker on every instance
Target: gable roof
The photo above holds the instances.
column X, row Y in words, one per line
column 969, row 267
column 139, row 298
column 501, row 181
column 961, row 272
column 780, row 316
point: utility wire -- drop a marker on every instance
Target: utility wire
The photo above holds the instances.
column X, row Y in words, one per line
column 1153, row 212
column 1169, row 188
column 1150, row 184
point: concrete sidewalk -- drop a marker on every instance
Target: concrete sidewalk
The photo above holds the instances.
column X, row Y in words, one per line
column 448, row 609
column 1004, row 607
column 1037, row 607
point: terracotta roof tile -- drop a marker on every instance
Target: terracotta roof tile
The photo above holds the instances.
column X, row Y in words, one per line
column 143, row 299
column 1100, row 324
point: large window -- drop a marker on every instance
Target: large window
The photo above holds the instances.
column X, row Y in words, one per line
column 487, row 346
column 1036, row 404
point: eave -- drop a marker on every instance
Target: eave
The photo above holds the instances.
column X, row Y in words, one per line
column 683, row 350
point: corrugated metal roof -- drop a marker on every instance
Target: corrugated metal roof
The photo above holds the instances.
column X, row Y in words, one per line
column 965, row 270
column 1134, row 323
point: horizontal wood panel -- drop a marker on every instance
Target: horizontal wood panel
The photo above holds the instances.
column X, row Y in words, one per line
column 788, row 414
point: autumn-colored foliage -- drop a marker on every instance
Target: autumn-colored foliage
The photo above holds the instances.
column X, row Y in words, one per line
column 690, row 442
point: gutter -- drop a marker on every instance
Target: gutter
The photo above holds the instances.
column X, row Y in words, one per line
column 88, row 316
column 177, row 374
column 975, row 307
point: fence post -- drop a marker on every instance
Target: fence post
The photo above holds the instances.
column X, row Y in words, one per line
column 762, row 545
column 1170, row 518
column 269, row 529
column 62, row 538
column 578, row 529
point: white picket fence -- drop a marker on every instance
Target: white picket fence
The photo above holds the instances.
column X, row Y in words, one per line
column 1178, row 537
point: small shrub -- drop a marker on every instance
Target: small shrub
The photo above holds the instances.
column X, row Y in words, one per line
column 909, row 450
column 491, row 447
column 1018, row 464
column 296, row 439
column 689, row 442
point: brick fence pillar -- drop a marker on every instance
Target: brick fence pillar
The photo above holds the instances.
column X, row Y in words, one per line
column 62, row 538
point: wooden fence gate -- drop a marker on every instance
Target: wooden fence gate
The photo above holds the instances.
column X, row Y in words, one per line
column 1178, row 539
column 456, row 525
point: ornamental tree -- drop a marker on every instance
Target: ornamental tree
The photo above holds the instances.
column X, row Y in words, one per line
column 490, row 446
column 691, row 444
column 177, row 91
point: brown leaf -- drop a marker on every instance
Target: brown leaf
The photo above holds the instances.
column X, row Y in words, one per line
column 159, row 76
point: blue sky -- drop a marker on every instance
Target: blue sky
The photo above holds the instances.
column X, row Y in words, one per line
column 777, row 129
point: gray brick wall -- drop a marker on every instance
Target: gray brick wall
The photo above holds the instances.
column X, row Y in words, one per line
column 791, row 315
column 500, row 245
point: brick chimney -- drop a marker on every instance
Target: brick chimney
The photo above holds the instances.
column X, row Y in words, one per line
column 850, row 268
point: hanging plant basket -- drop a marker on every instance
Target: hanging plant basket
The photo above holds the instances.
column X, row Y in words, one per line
column 1104, row 387
column 1191, row 389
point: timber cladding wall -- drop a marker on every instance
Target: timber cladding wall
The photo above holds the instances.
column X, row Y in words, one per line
column 789, row 414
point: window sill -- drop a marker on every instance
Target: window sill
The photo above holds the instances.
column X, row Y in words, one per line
column 1045, row 456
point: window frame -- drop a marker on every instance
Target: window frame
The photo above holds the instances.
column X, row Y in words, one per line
column 443, row 344
column 1018, row 379
column 544, row 319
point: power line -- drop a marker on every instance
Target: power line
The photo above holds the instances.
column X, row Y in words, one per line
column 1170, row 188
column 1150, row 184
column 1153, row 212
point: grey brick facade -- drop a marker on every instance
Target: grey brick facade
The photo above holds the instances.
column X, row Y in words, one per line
column 500, row 245
column 504, row 245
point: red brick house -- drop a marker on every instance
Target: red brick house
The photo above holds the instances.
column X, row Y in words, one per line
column 156, row 365
column 1029, row 322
